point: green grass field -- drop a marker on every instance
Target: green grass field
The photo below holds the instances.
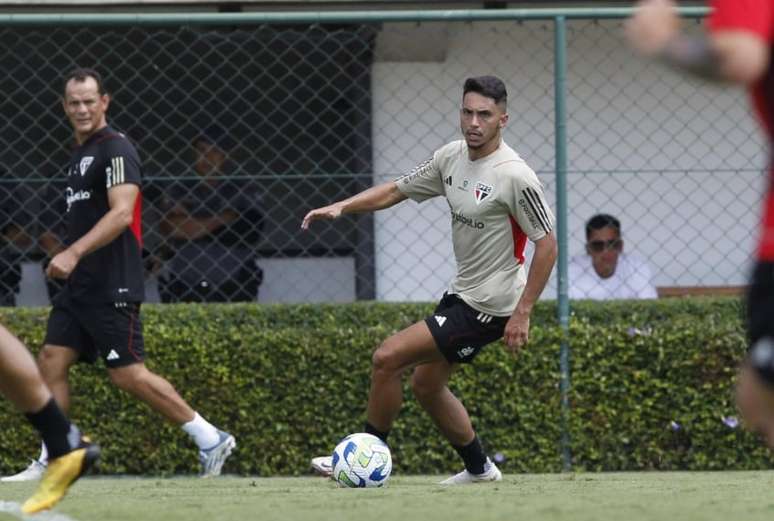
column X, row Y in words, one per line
column 683, row 496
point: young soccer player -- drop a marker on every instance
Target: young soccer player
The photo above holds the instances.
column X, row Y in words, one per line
column 496, row 204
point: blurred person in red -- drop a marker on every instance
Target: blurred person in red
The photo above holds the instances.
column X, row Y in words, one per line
column 735, row 49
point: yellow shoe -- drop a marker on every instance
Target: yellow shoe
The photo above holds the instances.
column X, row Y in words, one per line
column 60, row 474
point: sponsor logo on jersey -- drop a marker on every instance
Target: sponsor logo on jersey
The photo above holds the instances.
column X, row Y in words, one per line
column 464, row 185
column 73, row 197
column 482, row 191
column 85, row 164
column 440, row 320
column 531, row 203
column 467, row 221
column 465, row 352
column 528, row 212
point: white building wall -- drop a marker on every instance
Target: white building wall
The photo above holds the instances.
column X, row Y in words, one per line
column 679, row 162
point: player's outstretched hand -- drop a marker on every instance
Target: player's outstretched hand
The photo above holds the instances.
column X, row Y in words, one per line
column 330, row 212
column 516, row 332
column 653, row 25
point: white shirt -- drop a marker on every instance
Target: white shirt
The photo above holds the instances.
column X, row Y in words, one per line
column 631, row 280
column 496, row 203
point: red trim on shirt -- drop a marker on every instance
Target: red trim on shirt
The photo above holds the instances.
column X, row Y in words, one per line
column 757, row 17
column 107, row 136
column 519, row 240
column 136, row 226
column 766, row 240
column 130, row 341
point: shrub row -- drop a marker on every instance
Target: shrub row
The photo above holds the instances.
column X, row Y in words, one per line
column 651, row 386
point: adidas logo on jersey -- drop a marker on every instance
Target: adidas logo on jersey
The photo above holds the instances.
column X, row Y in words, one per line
column 440, row 320
column 112, row 355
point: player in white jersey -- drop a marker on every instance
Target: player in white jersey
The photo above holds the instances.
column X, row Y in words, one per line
column 496, row 204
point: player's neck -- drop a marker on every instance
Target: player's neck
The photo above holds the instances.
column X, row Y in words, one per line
column 488, row 148
column 81, row 138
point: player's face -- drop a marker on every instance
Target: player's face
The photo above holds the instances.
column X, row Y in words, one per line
column 756, row 404
column 85, row 107
column 481, row 120
column 604, row 246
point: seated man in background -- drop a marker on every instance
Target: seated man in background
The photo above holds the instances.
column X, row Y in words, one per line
column 210, row 227
column 16, row 216
column 53, row 230
column 605, row 272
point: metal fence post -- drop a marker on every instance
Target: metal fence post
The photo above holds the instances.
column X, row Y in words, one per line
column 560, row 122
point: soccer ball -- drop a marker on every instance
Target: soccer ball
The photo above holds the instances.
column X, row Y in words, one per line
column 361, row 460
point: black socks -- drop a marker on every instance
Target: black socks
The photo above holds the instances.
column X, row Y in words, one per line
column 473, row 456
column 370, row 429
column 59, row 435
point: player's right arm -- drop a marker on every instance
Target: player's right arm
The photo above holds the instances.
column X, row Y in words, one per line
column 375, row 198
column 735, row 49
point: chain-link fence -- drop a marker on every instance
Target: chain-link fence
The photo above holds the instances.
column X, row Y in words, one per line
column 242, row 129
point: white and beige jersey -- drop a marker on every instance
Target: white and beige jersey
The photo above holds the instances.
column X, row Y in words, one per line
column 496, row 203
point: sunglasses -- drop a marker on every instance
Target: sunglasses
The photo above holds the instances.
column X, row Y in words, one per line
column 600, row 246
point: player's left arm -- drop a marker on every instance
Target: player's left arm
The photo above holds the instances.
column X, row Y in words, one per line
column 517, row 329
column 122, row 199
column 735, row 50
column 523, row 195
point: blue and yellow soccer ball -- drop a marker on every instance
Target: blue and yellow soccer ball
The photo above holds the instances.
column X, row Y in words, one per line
column 361, row 461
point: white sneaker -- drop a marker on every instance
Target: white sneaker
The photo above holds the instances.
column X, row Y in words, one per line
column 212, row 459
column 33, row 472
column 491, row 473
column 323, row 465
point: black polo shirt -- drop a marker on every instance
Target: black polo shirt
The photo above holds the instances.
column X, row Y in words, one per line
column 114, row 272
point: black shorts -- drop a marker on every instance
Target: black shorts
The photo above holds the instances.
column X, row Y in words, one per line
column 760, row 320
column 460, row 331
column 108, row 330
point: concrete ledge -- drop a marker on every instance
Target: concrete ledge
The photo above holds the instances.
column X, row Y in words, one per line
column 695, row 291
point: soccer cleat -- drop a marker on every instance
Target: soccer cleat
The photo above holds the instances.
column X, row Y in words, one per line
column 323, row 465
column 60, row 474
column 212, row 459
column 491, row 473
column 33, row 472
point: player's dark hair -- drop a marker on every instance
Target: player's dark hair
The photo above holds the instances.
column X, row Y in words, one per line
column 488, row 86
column 602, row 220
column 81, row 74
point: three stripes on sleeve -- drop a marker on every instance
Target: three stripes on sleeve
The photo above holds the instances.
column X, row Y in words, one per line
column 115, row 172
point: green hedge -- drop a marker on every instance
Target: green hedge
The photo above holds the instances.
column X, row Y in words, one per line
column 290, row 381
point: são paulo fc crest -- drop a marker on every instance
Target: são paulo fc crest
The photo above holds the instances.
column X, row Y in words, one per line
column 482, row 191
column 85, row 164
